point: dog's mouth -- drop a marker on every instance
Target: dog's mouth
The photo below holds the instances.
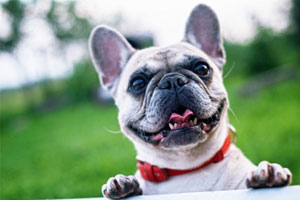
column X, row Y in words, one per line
column 183, row 126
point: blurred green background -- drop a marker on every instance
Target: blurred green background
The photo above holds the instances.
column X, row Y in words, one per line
column 60, row 139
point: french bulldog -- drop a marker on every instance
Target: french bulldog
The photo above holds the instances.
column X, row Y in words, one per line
column 173, row 107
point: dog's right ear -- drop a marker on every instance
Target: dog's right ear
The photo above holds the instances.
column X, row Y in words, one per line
column 110, row 52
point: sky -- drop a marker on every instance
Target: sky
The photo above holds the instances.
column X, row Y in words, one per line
column 167, row 18
column 38, row 56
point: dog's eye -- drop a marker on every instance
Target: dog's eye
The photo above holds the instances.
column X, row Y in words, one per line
column 201, row 69
column 138, row 84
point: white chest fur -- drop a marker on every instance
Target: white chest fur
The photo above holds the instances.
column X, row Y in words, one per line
column 228, row 174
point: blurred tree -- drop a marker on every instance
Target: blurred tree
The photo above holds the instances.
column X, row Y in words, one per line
column 83, row 82
column 295, row 20
column 68, row 28
column 66, row 24
column 15, row 9
column 262, row 52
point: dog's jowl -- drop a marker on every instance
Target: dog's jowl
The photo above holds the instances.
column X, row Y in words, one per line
column 173, row 106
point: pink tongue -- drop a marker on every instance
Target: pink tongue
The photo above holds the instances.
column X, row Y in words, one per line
column 176, row 118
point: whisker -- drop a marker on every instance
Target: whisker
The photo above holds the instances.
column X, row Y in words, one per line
column 234, row 115
column 230, row 70
column 112, row 131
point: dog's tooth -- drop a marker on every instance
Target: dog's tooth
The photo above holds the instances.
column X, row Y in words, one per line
column 195, row 121
column 206, row 127
column 218, row 116
column 175, row 126
column 171, row 126
column 202, row 125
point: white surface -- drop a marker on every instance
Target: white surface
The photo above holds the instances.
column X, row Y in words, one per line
column 290, row 193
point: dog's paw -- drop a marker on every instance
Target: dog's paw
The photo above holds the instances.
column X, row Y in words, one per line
column 269, row 175
column 121, row 186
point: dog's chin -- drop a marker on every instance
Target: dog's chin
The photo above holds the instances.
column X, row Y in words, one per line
column 188, row 134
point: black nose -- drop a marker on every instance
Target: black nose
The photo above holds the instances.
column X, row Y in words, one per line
column 172, row 81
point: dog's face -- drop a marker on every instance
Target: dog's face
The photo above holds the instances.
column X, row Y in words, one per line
column 168, row 97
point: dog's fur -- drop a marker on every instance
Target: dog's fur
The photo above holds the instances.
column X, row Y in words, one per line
column 169, row 81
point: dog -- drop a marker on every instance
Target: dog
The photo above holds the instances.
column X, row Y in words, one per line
column 173, row 107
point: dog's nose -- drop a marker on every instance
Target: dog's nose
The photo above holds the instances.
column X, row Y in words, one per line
column 172, row 81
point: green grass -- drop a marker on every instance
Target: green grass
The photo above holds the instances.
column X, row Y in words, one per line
column 66, row 153
column 70, row 152
column 268, row 125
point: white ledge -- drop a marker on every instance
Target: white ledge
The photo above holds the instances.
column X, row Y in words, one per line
column 290, row 193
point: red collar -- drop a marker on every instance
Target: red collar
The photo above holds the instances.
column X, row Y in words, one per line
column 155, row 174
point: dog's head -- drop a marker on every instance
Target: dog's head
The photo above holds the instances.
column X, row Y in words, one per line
column 169, row 97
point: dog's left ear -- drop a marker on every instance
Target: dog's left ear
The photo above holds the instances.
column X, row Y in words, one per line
column 203, row 31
